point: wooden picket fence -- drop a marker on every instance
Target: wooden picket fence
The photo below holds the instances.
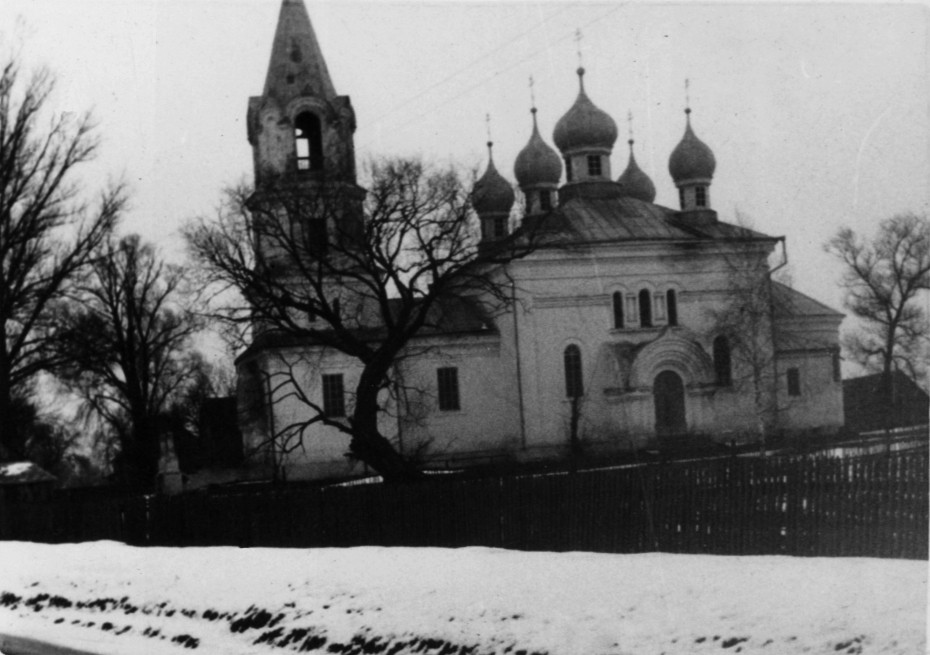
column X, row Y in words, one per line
column 875, row 505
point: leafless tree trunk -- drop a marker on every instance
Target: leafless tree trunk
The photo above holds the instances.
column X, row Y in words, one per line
column 884, row 280
column 125, row 347
column 372, row 275
column 47, row 232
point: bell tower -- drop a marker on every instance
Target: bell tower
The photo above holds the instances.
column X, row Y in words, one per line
column 302, row 134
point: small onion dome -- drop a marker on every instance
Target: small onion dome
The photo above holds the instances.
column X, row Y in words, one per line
column 584, row 125
column 691, row 159
column 635, row 183
column 537, row 163
column 492, row 192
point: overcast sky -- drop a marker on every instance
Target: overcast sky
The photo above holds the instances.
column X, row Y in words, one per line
column 817, row 114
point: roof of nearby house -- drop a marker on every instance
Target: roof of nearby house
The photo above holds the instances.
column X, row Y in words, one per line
column 862, row 400
column 23, row 473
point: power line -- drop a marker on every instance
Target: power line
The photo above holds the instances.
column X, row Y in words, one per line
column 507, row 43
column 484, row 80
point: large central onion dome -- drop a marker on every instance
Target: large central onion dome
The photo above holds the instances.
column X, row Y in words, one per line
column 691, row 159
column 492, row 193
column 537, row 163
column 584, row 126
column 634, row 182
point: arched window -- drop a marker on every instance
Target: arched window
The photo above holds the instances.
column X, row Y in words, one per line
column 308, row 140
column 722, row 365
column 645, row 308
column 618, row 309
column 574, row 386
column 671, row 300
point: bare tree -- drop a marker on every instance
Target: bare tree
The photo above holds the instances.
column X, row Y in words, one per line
column 357, row 273
column 744, row 330
column 125, row 348
column 47, row 232
column 884, row 280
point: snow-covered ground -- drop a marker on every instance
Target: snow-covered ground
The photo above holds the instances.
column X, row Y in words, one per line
column 110, row 598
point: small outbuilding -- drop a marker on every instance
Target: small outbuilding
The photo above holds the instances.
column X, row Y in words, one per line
column 25, row 481
column 862, row 399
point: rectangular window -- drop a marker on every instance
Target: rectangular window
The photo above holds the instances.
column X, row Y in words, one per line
column 568, row 169
column 700, row 196
column 681, row 197
column 594, row 165
column 447, row 380
column 500, row 227
column 334, row 401
column 794, row 382
column 545, row 200
column 837, row 370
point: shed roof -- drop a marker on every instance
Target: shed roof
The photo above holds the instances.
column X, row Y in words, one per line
column 23, row 473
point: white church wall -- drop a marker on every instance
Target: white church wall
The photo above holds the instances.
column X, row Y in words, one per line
column 816, row 402
column 485, row 425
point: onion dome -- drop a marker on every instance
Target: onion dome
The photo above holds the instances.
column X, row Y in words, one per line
column 537, row 163
column 492, row 192
column 634, row 182
column 584, row 126
column 691, row 159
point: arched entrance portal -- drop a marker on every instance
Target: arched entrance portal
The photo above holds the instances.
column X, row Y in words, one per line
column 669, row 395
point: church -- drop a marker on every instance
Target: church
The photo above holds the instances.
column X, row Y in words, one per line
column 632, row 325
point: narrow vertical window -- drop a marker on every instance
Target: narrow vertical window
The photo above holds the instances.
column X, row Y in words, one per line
column 700, row 196
column 447, row 381
column 794, row 382
column 722, row 365
column 681, row 197
column 837, row 369
column 500, row 227
column 671, row 301
column 594, row 165
column 574, row 385
column 545, row 200
column 645, row 308
column 308, row 141
column 618, row 309
column 568, row 169
column 334, row 402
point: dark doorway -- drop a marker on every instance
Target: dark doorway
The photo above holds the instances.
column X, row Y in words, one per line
column 669, row 395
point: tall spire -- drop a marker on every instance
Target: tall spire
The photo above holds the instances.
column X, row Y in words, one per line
column 297, row 66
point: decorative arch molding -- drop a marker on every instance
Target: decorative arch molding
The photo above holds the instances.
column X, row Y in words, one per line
column 310, row 104
column 674, row 352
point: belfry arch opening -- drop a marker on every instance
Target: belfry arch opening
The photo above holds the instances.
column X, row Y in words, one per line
column 308, row 142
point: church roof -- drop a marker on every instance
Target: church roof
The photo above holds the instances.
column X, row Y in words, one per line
column 297, row 66
column 453, row 315
column 602, row 214
column 792, row 303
